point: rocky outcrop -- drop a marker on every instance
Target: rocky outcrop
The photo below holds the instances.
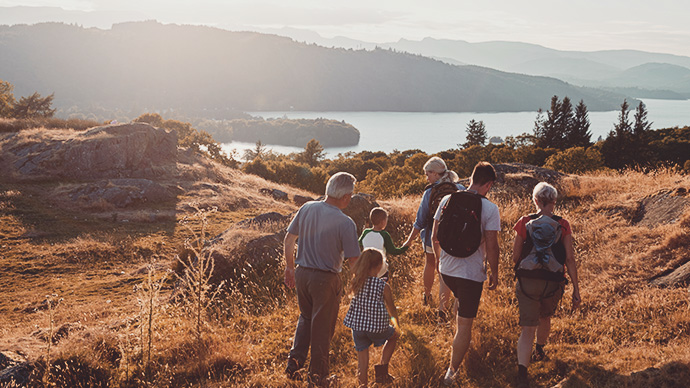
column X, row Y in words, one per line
column 359, row 208
column 679, row 277
column 664, row 207
column 122, row 192
column 278, row 195
column 263, row 219
column 135, row 150
column 301, row 200
column 519, row 179
column 14, row 369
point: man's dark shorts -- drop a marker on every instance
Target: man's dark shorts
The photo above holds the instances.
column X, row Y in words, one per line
column 468, row 293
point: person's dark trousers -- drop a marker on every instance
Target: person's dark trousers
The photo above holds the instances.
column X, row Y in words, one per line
column 318, row 296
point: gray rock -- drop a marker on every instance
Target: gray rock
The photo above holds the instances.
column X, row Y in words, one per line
column 263, row 219
column 359, row 208
column 17, row 375
column 134, row 150
column 679, row 277
column 301, row 200
column 278, row 195
column 122, row 192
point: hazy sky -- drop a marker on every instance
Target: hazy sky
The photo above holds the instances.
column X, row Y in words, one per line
column 586, row 25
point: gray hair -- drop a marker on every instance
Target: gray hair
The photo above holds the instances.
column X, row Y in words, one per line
column 340, row 184
column 544, row 193
column 437, row 165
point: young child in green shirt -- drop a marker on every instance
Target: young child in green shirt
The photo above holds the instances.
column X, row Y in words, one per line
column 378, row 238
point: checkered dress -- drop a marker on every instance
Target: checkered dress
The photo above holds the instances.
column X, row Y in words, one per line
column 367, row 310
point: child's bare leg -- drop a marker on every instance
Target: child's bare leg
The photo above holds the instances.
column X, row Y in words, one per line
column 363, row 367
column 389, row 348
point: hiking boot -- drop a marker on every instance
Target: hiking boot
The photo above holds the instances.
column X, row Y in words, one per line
column 426, row 300
column 382, row 376
column 450, row 377
column 523, row 378
column 292, row 369
column 538, row 354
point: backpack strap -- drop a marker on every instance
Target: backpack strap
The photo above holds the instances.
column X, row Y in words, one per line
column 528, row 244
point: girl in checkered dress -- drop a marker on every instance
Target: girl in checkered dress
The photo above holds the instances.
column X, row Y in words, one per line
column 368, row 316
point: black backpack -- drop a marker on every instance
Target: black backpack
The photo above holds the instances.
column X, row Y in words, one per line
column 438, row 191
column 460, row 226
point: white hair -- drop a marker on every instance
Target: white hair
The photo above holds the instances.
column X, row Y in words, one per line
column 437, row 165
column 340, row 184
column 544, row 193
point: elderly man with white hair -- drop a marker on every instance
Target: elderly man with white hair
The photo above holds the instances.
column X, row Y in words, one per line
column 326, row 236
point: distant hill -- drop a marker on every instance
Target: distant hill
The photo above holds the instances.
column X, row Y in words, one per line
column 610, row 68
column 157, row 66
column 594, row 69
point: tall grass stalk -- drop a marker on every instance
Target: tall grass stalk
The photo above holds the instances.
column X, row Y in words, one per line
column 51, row 327
column 148, row 294
column 198, row 289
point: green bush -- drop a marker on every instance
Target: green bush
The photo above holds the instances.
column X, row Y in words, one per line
column 576, row 160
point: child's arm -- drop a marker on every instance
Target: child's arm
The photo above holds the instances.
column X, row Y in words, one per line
column 364, row 233
column 390, row 305
column 390, row 247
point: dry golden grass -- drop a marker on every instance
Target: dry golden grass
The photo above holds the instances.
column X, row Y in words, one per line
column 623, row 327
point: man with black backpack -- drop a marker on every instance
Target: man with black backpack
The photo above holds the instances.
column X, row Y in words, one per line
column 542, row 253
column 465, row 238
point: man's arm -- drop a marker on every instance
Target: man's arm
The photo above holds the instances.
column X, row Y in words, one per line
column 492, row 253
column 289, row 252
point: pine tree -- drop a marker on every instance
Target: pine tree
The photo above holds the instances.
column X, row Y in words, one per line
column 641, row 125
column 618, row 148
column 313, row 153
column 578, row 135
column 551, row 132
column 476, row 134
column 623, row 128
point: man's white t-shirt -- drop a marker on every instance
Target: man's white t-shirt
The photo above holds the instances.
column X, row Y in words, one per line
column 472, row 267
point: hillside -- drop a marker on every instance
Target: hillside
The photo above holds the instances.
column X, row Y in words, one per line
column 608, row 68
column 163, row 67
column 76, row 250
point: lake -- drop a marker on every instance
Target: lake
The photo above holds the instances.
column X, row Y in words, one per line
column 434, row 132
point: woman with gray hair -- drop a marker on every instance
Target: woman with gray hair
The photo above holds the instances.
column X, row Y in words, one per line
column 542, row 253
column 442, row 182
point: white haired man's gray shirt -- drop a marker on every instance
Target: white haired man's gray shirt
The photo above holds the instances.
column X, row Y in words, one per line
column 326, row 236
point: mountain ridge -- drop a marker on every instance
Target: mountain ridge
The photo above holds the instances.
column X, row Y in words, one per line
column 168, row 66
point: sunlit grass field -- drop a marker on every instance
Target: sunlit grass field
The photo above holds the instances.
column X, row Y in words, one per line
column 96, row 277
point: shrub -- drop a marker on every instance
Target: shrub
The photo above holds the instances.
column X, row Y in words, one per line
column 576, row 160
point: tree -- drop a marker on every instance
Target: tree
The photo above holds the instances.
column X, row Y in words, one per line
column 551, row 132
column 641, row 125
column 33, row 106
column 313, row 153
column 626, row 144
column 258, row 151
column 623, row 128
column 578, row 134
column 6, row 99
column 476, row 134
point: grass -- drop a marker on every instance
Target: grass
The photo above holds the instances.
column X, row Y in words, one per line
column 624, row 327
